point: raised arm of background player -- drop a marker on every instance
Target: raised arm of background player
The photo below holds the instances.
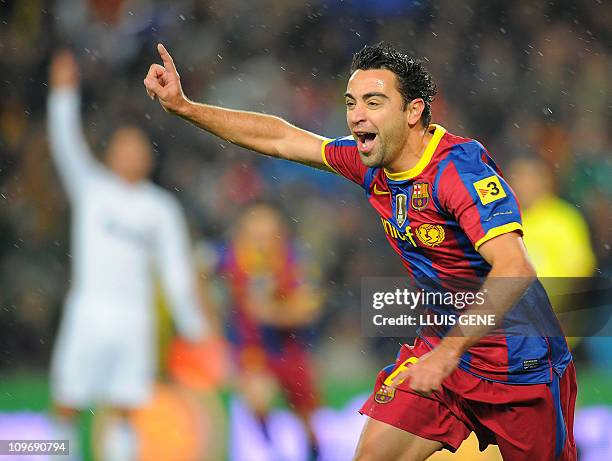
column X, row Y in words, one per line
column 77, row 165
column 70, row 151
column 262, row 133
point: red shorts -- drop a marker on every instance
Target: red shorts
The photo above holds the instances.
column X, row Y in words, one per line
column 292, row 368
column 527, row 422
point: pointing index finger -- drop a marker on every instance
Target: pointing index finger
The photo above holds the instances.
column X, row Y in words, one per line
column 166, row 58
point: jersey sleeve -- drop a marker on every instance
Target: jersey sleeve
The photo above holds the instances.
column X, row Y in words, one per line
column 341, row 157
column 177, row 270
column 472, row 190
column 69, row 149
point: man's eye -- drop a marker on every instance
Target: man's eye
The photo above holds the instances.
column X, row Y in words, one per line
column 373, row 104
column 350, row 104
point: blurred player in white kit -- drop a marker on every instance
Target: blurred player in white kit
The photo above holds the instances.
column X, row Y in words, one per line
column 125, row 230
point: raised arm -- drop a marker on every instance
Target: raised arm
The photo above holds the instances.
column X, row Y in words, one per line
column 266, row 134
column 69, row 148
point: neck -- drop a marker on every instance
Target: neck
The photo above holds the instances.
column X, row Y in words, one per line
column 412, row 150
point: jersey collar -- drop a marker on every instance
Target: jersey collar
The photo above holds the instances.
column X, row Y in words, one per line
column 438, row 132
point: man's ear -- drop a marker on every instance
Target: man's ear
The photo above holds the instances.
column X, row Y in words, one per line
column 415, row 110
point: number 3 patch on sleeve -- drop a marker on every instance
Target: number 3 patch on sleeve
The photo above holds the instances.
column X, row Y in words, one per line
column 489, row 189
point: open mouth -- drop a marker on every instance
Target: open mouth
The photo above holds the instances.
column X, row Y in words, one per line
column 365, row 141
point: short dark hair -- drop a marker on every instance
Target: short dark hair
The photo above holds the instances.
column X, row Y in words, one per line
column 413, row 79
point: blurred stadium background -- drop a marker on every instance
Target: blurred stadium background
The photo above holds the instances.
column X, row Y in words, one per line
column 531, row 80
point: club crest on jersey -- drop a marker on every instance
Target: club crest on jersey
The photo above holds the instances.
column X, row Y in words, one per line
column 401, row 210
column 430, row 235
column 420, row 195
column 384, row 394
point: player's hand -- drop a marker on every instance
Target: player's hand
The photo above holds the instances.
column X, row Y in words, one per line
column 64, row 71
column 164, row 83
column 427, row 375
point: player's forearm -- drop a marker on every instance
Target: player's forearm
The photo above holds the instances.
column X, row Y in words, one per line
column 299, row 309
column 259, row 132
column 189, row 319
column 262, row 133
column 63, row 121
column 69, row 148
column 504, row 286
column 178, row 276
column 180, row 288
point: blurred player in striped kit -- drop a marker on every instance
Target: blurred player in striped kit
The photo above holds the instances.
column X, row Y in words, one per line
column 272, row 309
column 125, row 230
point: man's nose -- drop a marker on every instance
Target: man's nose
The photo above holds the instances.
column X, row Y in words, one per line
column 357, row 114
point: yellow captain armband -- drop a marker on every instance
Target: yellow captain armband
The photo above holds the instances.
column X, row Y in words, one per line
column 323, row 145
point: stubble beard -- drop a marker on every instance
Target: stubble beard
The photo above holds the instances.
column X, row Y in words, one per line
column 374, row 159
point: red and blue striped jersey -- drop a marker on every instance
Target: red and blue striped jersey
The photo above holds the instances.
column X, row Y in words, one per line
column 245, row 274
column 436, row 216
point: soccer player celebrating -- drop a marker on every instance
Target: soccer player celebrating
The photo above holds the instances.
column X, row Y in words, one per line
column 123, row 226
column 448, row 213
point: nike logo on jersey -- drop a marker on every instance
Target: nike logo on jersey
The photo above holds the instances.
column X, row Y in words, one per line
column 380, row 192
